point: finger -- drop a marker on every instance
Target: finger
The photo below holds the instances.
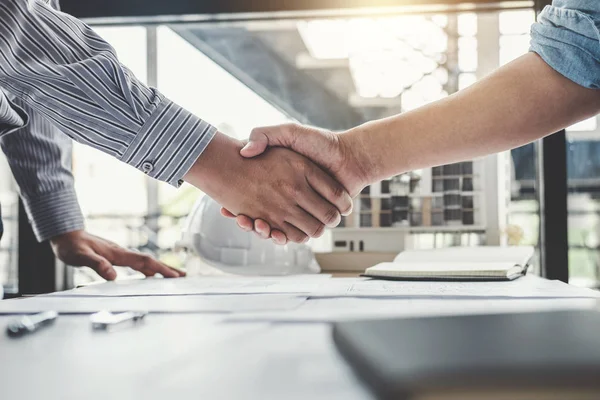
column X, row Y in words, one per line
column 261, row 138
column 150, row 270
column 332, row 191
column 278, row 237
column 294, row 234
column 262, row 228
column 304, row 221
column 226, row 213
column 143, row 263
column 322, row 210
column 101, row 265
column 245, row 223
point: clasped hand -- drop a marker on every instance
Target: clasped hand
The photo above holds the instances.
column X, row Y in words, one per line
column 326, row 149
column 279, row 187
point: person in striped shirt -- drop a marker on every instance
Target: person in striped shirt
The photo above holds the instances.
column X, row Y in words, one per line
column 60, row 81
column 40, row 157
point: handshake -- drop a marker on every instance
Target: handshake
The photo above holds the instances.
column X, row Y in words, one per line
column 286, row 182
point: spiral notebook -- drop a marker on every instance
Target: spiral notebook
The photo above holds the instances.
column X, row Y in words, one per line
column 487, row 263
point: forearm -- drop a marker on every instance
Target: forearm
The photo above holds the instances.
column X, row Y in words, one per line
column 40, row 159
column 519, row 103
column 71, row 77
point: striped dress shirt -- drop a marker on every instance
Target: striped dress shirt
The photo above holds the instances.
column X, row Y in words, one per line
column 59, row 81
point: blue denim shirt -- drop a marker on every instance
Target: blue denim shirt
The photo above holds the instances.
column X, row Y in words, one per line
column 567, row 37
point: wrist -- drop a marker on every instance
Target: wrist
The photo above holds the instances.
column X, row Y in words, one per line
column 357, row 158
column 67, row 236
column 216, row 165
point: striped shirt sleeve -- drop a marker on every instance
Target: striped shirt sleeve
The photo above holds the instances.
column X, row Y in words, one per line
column 39, row 156
column 71, row 77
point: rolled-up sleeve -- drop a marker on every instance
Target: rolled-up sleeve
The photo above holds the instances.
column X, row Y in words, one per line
column 567, row 37
column 71, row 77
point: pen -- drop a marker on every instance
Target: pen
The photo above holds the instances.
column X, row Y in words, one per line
column 104, row 320
column 30, row 323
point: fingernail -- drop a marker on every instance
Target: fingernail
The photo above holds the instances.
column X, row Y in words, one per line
column 345, row 214
column 244, row 228
column 335, row 223
column 247, row 146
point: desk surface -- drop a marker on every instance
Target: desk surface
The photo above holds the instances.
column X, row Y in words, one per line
column 205, row 355
column 176, row 357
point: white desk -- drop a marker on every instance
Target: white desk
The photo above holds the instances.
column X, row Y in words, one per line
column 210, row 355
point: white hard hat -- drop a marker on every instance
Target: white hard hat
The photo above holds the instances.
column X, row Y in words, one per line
column 218, row 241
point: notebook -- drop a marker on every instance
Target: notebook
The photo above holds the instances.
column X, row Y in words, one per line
column 487, row 263
column 543, row 355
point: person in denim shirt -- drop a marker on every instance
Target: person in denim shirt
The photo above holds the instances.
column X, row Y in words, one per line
column 552, row 87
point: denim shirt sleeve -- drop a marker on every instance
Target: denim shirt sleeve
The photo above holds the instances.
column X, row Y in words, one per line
column 567, row 37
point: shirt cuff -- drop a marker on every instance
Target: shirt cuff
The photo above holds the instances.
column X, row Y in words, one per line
column 568, row 41
column 169, row 143
column 54, row 214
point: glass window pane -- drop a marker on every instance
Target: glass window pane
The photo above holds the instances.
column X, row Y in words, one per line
column 512, row 47
column 516, row 22
column 588, row 125
column 9, row 243
column 467, row 54
column 197, row 83
column 467, row 24
column 130, row 44
column 583, row 171
column 466, row 80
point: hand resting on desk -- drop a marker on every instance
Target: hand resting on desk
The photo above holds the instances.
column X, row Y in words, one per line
column 79, row 248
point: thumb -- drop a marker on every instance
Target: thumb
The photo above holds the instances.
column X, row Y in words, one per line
column 261, row 138
column 102, row 266
column 257, row 144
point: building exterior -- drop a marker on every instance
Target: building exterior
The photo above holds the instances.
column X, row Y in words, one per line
column 458, row 204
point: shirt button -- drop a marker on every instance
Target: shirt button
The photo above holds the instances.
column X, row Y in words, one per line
column 147, row 167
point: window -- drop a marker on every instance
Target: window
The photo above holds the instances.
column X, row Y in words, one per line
column 9, row 201
column 335, row 74
column 583, row 171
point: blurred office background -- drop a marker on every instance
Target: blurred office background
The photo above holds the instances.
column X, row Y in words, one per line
column 334, row 71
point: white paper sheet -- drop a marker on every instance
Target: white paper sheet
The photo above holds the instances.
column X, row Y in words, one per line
column 353, row 308
column 157, row 304
column 298, row 284
column 525, row 287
